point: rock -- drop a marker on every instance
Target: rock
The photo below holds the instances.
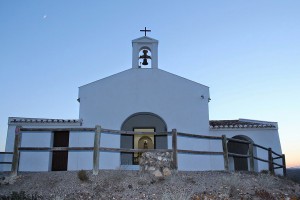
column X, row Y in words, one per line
column 167, row 172
column 151, row 168
column 153, row 161
column 157, row 173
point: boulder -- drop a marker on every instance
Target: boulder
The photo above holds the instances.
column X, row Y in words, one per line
column 157, row 163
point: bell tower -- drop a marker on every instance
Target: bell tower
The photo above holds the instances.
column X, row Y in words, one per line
column 145, row 51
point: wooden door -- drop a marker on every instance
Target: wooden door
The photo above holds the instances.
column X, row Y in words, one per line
column 60, row 158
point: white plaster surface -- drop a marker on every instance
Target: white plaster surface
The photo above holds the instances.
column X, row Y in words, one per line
column 111, row 100
column 267, row 137
column 35, row 161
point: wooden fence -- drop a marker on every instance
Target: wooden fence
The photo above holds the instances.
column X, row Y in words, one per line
column 6, row 153
column 96, row 148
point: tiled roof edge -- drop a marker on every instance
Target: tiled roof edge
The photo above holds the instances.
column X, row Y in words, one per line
column 25, row 120
column 241, row 124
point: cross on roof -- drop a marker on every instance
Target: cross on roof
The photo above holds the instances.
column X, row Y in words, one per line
column 145, row 30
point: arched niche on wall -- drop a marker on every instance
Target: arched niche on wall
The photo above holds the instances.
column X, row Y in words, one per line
column 140, row 121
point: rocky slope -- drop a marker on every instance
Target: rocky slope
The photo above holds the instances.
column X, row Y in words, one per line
column 119, row 184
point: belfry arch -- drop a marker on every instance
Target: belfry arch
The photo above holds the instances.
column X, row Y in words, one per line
column 142, row 122
column 239, row 163
column 145, row 56
column 145, row 43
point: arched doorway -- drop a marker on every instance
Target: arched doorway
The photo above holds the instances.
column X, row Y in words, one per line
column 239, row 163
column 142, row 122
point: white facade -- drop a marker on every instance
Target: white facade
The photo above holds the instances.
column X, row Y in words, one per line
column 267, row 137
column 181, row 103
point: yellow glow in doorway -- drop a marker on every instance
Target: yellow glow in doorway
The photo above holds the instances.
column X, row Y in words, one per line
column 145, row 141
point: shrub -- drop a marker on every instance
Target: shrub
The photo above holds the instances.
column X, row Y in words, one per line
column 82, row 175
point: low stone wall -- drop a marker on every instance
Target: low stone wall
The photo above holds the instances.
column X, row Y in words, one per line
column 157, row 163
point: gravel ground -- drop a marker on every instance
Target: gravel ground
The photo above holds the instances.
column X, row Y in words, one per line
column 119, row 184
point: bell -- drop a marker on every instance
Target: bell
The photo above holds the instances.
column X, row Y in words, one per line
column 145, row 62
column 145, row 57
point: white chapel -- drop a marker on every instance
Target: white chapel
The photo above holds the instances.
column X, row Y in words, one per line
column 143, row 98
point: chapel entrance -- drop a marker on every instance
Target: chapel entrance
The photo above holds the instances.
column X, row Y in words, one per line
column 239, row 163
column 60, row 158
column 142, row 122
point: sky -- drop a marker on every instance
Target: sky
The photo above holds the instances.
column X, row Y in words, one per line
column 247, row 52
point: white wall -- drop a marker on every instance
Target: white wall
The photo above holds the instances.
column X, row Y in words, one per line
column 193, row 162
column 78, row 160
column 109, row 101
column 35, row 161
column 266, row 137
column 5, row 158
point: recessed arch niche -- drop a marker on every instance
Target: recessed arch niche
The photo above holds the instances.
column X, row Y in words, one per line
column 145, row 142
column 140, row 121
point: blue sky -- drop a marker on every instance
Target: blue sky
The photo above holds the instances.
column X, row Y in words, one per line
column 247, row 52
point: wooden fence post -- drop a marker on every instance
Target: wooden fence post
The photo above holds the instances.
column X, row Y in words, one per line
column 174, row 147
column 225, row 153
column 284, row 165
column 270, row 158
column 96, row 150
column 251, row 157
column 16, row 155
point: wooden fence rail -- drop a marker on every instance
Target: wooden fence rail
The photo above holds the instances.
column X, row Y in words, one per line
column 174, row 134
column 4, row 153
column 52, row 149
column 259, row 146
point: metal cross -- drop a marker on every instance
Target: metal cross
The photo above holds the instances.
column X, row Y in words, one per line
column 145, row 31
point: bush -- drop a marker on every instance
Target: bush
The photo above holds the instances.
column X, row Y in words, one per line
column 82, row 175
